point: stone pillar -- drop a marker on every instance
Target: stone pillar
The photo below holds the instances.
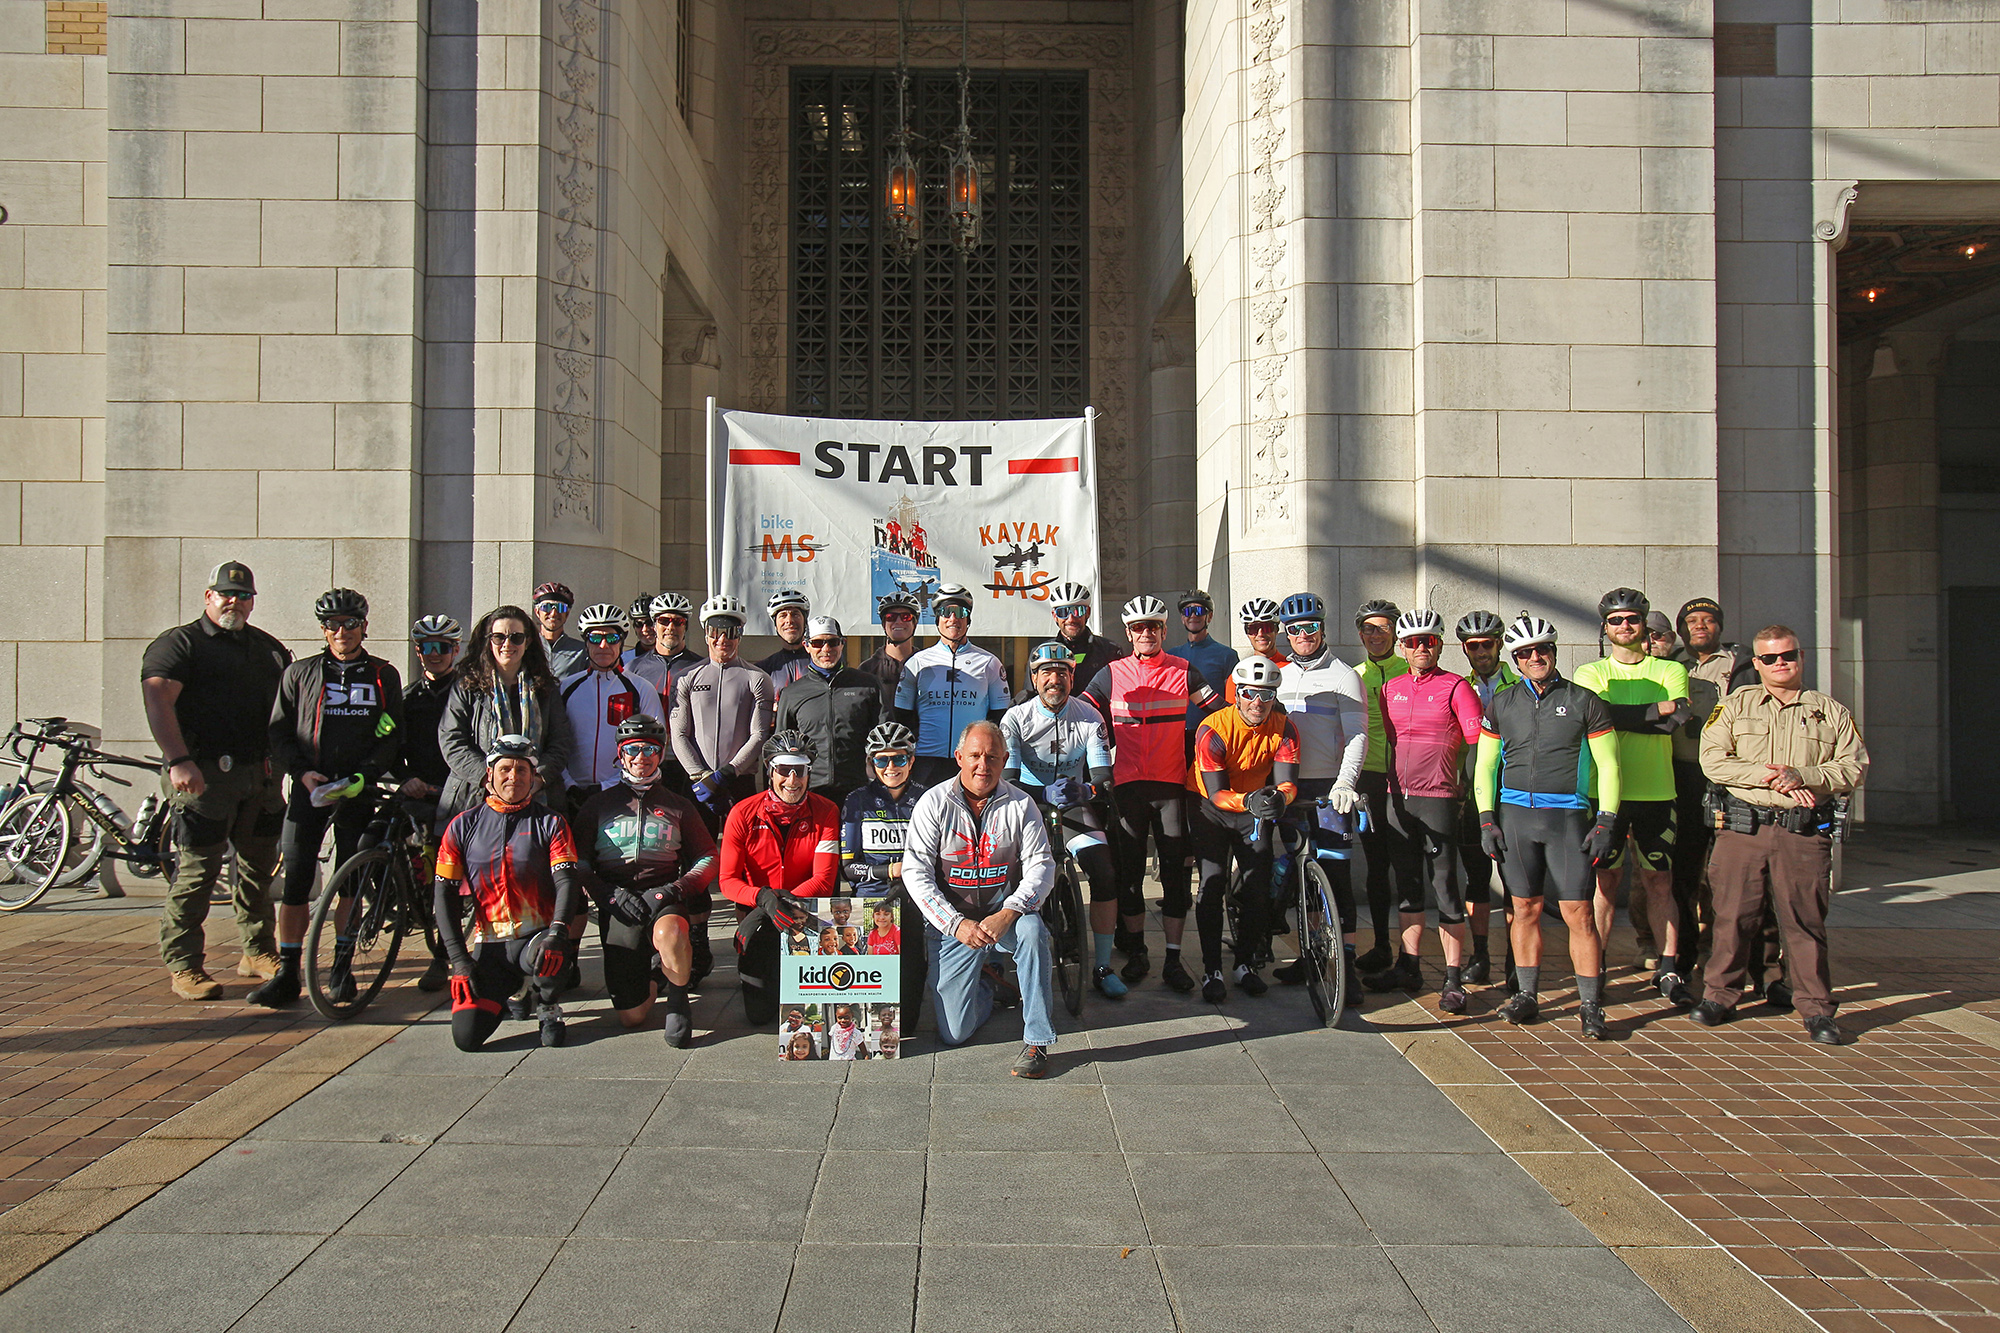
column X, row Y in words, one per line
column 1166, row 507
column 1898, row 603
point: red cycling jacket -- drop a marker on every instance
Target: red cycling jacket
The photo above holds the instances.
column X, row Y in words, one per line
column 767, row 844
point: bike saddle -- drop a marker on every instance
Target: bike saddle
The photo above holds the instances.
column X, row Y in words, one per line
column 49, row 725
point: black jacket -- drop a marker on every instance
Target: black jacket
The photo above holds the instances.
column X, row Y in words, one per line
column 836, row 715
column 328, row 717
column 423, row 709
column 1091, row 655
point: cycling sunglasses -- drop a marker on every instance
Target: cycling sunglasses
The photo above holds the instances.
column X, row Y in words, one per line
column 1256, row 693
column 1072, row 609
column 954, row 613
column 1625, row 620
column 789, row 767
column 507, row 640
column 897, row 759
column 897, row 617
column 1261, row 627
column 825, row 643
column 1479, row 643
column 1304, row 628
column 552, row 606
column 673, row 618
column 1423, row 641
column 1191, row 611
column 640, row 749
column 604, row 636
column 339, row 624
column 434, row 647
column 1535, row 650
column 1772, row 659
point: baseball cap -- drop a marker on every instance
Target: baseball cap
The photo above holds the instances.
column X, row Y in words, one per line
column 232, row 576
column 1657, row 623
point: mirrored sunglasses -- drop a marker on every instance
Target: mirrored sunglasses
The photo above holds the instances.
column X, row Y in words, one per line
column 1423, row 641
column 604, row 636
column 433, row 647
column 1261, row 627
column 640, row 749
column 898, row 617
column 1256, row 693
column 339, row 624
column 890, row 759
column 1072, row 609
column 954, row 613
column 552, row 606
column 789, row 768
column 1304, row 628
column 1192, row 611
column 673, row 618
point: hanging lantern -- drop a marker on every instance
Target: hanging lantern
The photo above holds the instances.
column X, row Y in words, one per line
column 903, row 202
column 967, row 198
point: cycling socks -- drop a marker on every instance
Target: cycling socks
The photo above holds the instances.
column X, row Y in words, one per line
column 1479, row 948
column 1590, row 990
column 288, row 958
column 343, row 951
column 1530, row 978
column 1103, row 944
column 1454, row 978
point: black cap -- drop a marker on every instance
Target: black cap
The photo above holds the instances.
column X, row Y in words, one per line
column 1708, row 604
column 233, row 576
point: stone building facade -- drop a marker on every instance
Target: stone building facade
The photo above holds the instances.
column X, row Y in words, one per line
column 1467, row 302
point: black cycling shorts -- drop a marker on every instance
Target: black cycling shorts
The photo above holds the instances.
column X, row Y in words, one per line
column 1650, row 826
column 628, row 975
column 1544, row 856
column 1423, row 840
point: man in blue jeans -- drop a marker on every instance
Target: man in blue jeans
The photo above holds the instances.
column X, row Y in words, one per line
column 976, row 862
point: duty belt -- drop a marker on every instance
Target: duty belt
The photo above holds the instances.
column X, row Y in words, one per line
column 1740, row 816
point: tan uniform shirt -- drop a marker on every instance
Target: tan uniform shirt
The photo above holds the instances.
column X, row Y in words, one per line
column 1814, row 734
column 1708, row 685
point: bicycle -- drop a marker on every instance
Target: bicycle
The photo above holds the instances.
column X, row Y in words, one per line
column 1319, row 929
column 38, row 831
column 35, row 733
column 1066, row 919
column 384, row 890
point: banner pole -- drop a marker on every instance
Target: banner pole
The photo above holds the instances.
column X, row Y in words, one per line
column 714, row 505
column 1096, row 556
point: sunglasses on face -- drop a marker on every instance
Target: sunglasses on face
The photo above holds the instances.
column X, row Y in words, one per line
column 1624, row 620
column 640, row 749
column 552, row 606
column 1256, row 694
column 1430, row 641
column 890, row 760
column 1192, row 612
column 782, row 771
column 1261, row 627
column 1772, row 659
column 898, row 617
column 1480, row 645
column 1146, row 627
column 507, row 640
column 824, row 643
column 671, row 621
column 340, row 624
column 1071, row 611
column 1534, row 650
column 953, row 613
column 601, row 637
column 1304, row 628
column 234, row 596
column 436, row 647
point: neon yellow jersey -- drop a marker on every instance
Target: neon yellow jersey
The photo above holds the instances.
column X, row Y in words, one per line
column 1372, row 674
column 1645, row 759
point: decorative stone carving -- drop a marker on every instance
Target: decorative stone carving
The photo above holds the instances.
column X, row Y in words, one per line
column 1271, row 451
column 1836, row 198
column 575, row 224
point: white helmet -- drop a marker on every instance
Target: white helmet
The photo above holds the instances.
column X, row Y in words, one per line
column 1423, row 620
column 601, row 615
column 1256, row 671
column 951, row 594
column 1143, row 607
column 1526, row 631
column 1257, row 610
column 787, row 599
column 1068, row 593
column 670, row 604
column 437, row 627
column 724, row 607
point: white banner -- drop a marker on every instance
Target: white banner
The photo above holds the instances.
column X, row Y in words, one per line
column 848, row 511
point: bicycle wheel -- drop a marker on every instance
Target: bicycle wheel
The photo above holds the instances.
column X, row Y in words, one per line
column 1069, row 938
column 1319, row 944
column 372, row 888
column 35, row 837
column 86, row 848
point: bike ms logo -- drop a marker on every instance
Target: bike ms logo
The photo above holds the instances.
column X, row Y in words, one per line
column 842, row 977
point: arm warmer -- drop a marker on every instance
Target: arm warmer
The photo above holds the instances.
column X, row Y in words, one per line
column 1604, row 753
column 444, row 907
column 1486, row 773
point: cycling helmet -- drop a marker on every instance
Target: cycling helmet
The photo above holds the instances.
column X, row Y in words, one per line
column 1067, row 593
column 670, row 604
column 1623, row 599
column 602, row 615
column 1142, row 608
column 642, row 727
column 1526, row 631
column 642, row 607
column 513, row 746
column 437, row 627
column 1196, row 597
column 898, row 600
column 1050, row 653
column 1257, row 609
column 341, row 602
column 725, row 609
column 1423, row 620
column 554, row 592
column 951, row 594
column 1256, row 671
column 1371, row 609
column 889, row 736
column 1301, row 606
column 1479, row 625
column 787, row 599
column 789, row 744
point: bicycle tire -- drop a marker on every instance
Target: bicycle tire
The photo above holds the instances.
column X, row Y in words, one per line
column 1069, row 939
column 32, row 856
column 86, row 850
column 375, row 881
column 1319, row 943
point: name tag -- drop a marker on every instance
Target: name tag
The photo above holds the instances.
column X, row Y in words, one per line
column 882, row 836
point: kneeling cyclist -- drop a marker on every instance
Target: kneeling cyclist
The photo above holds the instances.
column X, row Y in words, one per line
column 874, row 827
column 650, row 860
column 1246, row 768
column 515, row 858
column 779, row 846
column 1059, row 752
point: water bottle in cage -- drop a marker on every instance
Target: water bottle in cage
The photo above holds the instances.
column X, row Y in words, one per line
column 109, row 809
column 146, row 822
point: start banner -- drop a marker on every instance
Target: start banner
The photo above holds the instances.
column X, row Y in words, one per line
column 849, row 511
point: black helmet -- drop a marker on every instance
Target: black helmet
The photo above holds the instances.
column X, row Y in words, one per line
column 1623, row 599
column 341, row 602
column 642, row 727
column 1388, row 611
column 789, row 745
column 1479, row 625
column 642, row 608
column 515, row 746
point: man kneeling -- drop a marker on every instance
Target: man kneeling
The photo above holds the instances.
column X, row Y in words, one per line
column 977, row 864
column 515, row 859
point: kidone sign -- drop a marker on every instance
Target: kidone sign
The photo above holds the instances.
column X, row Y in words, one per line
column 849, row 511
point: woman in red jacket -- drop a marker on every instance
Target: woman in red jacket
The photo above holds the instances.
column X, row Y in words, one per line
column 777, row 847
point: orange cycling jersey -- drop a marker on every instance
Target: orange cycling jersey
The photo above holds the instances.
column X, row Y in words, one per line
column 1244, row 755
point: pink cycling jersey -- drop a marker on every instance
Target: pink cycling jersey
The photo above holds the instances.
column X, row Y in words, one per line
column 1429, row 720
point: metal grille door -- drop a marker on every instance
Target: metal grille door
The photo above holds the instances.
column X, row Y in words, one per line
column 933, row 336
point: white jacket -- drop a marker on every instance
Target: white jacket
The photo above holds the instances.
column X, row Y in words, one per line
column 589, row 696
column 955, row 864
column 1325, row 702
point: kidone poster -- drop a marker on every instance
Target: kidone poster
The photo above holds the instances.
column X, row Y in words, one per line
column 849, row 511
column 840, row 980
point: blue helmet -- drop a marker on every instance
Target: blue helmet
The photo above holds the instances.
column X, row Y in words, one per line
column 1301, row 606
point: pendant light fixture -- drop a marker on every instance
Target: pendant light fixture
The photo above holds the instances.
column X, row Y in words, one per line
column 966, row 202
column 903, row 201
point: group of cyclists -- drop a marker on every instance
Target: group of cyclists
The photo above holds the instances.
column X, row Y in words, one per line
column 624, row 769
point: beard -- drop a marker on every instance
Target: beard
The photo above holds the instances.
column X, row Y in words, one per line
column 233, row 618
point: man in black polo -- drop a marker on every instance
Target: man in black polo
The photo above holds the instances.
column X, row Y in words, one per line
column 208, row 687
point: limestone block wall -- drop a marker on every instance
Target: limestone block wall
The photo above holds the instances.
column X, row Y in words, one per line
column 265, row 257
column 51, row 365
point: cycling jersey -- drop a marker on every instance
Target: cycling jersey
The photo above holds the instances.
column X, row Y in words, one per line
column 959, row 864
column 566, row 655
column 768, row 844
column 948, row 688
column 1537, row 748
column 1488, row 686
column 721, row 719
column 597, row 702
column 873, row 828
column 1044, row 746
column 1323, row 697
column 1429, row 719
column 1088, row 655
column 1247, row 757
column 1229, row 682
column 785, row 666
column 646, row 840
column 516, row 864
column 1645, row 758
column 1373, row 673
column 1214, row 660
column 423, row 711
column 337, row 718
column 1150, row 701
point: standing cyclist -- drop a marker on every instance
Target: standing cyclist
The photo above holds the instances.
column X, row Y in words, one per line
column 836, row 706
column 1479, row 638
column 599, row 699
column 1375, row 624
column 437, row 639
column 898, row 614
column 551, row 606
column 948, row 686
column 1070, row 604
column 722, row 713
column 788, row 609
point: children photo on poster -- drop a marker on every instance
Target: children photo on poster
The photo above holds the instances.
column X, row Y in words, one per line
column 839, row 979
